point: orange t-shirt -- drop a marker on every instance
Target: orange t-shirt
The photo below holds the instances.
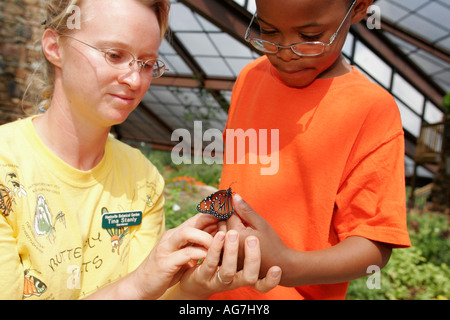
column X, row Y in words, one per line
column 340, row 169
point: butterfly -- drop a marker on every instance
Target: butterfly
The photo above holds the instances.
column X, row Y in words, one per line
column 33, row 286
column 219, row 204
column 6, row 200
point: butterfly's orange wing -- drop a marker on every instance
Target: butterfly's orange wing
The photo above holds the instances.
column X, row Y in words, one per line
column 219, row 204
column 205, row 205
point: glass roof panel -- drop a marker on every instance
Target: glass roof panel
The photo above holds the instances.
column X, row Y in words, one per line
column 181, row 18
column 443, row 78
column 432, row 113
column 215, row 66
column 166, row 48
column 437, row 13
column 347, row 48
column 428, row 20
column 427, row 61
column 237, row 64
column 427, row 29
column 175, row 64
column 391, row 11
column 405, row 46
column 163, row 96
column 409, row 95
column 372, row 64
column 410, row 4
column 207, row 26
column 173, row 61
column 185, row 104
column 214, row 51
column 229, row 46
column 411, row 122
column 198, row 44
column 444, row 43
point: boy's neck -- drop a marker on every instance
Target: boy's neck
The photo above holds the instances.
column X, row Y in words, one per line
column 338, row 68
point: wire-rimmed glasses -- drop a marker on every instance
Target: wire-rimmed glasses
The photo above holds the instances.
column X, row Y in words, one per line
column 122, row 59
column 307, row 49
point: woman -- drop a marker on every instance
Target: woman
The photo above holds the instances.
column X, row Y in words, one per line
column 82, row 213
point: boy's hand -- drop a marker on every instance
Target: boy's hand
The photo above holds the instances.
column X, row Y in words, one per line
column 249, row 223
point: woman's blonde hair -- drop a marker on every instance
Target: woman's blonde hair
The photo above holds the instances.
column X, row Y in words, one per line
column 59, row 11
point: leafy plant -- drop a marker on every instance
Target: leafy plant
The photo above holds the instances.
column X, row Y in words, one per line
column 181, row 200
column 419, row 272
column 446, row 103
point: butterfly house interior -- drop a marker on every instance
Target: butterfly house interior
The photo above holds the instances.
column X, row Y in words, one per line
column 408, row 54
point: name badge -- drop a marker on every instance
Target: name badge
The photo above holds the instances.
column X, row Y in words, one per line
column 121, row 219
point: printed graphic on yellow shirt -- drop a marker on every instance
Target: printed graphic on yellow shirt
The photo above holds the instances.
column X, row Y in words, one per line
column 117, row 234
column 7, row 195
column 32, row 286
column 43, row 224
column 149, row 202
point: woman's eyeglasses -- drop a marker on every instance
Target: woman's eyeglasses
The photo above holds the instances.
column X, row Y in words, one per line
column 122, row 59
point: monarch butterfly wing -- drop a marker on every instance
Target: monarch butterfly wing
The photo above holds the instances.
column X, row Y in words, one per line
column 5, row 201
column 229, row 206
column 33, row 286
column 222, row 205
column 39, row 285
column 28, row 287
column 204, row 205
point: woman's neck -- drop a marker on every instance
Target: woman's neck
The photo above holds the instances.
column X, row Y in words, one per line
column 75, row 141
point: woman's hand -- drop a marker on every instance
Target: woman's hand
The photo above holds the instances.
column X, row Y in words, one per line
column 171, row 256
column 207, row 278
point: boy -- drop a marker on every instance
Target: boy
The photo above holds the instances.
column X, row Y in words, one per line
column 336, row 205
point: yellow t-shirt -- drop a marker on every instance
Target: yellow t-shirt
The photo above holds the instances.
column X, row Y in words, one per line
column 52, row 242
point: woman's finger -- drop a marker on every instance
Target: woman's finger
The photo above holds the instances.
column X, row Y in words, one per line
column 182, row 236
column 200, row 221
column 209, row 266
column 183, row 256
column 252, row 261
column 230, row 256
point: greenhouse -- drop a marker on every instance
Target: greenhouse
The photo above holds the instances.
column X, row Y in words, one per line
column 401, row 45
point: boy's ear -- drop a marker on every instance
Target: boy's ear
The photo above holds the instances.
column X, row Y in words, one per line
column 360, row 10
column 51, row 46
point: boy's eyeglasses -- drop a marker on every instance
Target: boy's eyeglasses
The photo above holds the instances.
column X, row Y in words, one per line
column 122, row 59
column 308, row 49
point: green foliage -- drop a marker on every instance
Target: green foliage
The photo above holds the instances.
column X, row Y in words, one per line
column 182, row 185
column 419, row 272
column 179, row 205
column 160, row 159
column 446, row 103
column 208, row 174
column 431, row 233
